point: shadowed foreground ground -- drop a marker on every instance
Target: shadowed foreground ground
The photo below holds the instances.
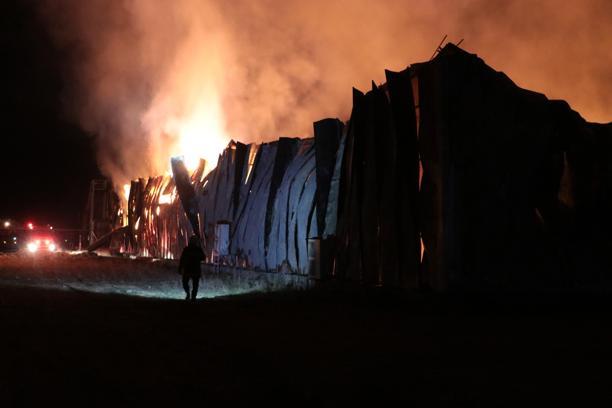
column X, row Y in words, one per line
column 324, row 347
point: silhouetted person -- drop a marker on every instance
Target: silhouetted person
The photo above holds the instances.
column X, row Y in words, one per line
column 189, row 266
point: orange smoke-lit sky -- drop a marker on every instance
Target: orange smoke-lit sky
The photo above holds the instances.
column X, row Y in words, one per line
column 154, row 78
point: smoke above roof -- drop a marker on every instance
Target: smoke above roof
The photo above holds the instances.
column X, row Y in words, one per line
column 153, row 79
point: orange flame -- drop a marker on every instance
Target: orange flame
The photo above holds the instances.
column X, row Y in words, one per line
column 126, row 191
column 168, row 198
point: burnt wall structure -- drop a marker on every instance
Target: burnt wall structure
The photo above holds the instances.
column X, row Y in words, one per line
column 157, row 227
column 504, row 173
column 269, row 203
column 448, row 176
column 377, row 237
column 102, row 212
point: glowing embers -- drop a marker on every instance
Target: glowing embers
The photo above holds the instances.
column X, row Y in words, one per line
column 422, row 249
column 121, row 216
column 126, row 191
column 420, row 173
column 167, row 198
column 166, row 190
column 252, row 155
column 158, row 225
column 156, row 216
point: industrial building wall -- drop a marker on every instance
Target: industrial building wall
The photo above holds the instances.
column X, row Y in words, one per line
column 503, row 171
column 377, row 236
column 270, row 208
column 515, row 190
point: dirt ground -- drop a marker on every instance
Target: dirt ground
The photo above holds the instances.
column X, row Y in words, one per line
column 324, row 347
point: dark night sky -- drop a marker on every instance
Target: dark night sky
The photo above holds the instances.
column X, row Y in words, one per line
column 47, row 161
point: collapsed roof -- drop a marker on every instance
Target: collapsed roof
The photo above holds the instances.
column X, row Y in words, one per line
column 514, row 189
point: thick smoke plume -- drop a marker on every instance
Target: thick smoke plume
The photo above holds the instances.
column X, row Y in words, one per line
column 153, row 79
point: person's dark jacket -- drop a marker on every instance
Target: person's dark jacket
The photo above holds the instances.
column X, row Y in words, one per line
column 190, row 261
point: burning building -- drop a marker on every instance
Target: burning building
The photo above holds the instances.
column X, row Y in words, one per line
column 446, row 176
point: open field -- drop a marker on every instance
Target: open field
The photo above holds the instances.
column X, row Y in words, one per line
column 327, row 346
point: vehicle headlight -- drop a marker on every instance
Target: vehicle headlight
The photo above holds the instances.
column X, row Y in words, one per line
column 32, row 247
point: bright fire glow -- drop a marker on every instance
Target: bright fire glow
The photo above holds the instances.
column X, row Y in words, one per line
column 126, row 191
column 167, row 198
column 201, row 137
column 186, row 112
